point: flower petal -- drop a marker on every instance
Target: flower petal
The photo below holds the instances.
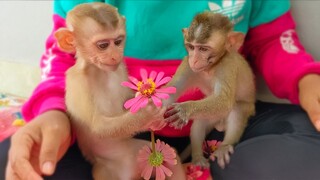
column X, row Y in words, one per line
column 171, row 161
column 169, row 90
column 153, row 75
column 146, row 172
column 159, row 174
column 130, row 85
column 159, row 77
column 143, row 154
column 134, row 80
column 131, row 102
column 158, row 145
column 140, row 104
column 163, row 81
column 166, row 170
column 156, row 101
column 144, row 75
column 161, row 95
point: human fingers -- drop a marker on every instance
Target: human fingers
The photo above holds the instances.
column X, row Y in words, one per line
column 10, row 175
column 51, row 142
column 312, row 108
column 19, row 165
column 310, row 102
column 56, row 139
column 309, row 96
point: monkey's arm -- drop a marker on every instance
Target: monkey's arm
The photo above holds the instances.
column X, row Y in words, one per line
column 182, row 80
column 214, row 107
column 126, row 124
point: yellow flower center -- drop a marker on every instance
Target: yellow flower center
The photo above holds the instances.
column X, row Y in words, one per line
column 213, row 148
column 148, row 88
column 155, row 159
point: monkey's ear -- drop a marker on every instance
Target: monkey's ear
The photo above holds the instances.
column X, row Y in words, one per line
column 123, row 18
column 235, row 40
column 185, row 32
column 65, row 40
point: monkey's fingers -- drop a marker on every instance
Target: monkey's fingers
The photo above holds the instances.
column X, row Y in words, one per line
column 169, row 113
column 179, row 124
column 175, row 123
column 212, row 157
column 221, row 162
column 157, row 125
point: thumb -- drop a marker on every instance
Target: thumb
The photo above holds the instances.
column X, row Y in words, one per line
column 316, row 124
column 51, row 143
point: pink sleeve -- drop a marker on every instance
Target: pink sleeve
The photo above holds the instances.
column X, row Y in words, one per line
column 277, row 54
column 49, row 94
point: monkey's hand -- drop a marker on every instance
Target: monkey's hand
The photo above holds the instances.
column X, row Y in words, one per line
column 177, row 114
column 222, row 154
column 153, row 117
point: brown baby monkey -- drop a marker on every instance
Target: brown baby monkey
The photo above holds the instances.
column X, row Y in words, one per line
column 94, row 96
column 214, row 66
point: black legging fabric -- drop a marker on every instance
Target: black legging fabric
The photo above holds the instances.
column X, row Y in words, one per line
column 279, row 143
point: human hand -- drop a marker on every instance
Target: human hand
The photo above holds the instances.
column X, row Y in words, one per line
column 309, row 96
column 36, row 147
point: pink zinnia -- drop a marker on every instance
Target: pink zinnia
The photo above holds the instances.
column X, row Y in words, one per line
column 210, row 146
column 148, row 87
column 156, row 161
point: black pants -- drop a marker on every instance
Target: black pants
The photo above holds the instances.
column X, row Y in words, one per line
column 279, row 143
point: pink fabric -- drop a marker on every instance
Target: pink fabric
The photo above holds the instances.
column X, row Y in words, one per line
column 50, row 92
column 281, row 70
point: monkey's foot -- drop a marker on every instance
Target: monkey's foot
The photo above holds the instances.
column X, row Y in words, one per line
column 200, row 161
column 222, row 154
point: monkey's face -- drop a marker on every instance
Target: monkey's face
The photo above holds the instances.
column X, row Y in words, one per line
column 105, row 47
column 199, row 56
column 202, row 56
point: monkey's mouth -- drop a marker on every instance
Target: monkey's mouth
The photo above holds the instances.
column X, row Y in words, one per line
column 108, row 67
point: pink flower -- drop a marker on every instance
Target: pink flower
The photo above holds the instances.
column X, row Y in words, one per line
column 156, row 161
column 210, row 146
column 148, row 87
column 193, row 172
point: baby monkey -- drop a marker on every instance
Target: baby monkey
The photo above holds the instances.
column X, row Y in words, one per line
column 215, row 67
column 94, row 96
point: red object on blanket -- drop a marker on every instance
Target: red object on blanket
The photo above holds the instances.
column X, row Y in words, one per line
column 196, row 173
column 6, row 119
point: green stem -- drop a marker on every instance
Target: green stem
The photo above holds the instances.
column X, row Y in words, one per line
column 153, row 144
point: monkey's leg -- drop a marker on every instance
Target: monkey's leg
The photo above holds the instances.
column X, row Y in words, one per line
column 178, row 171
column 101, row 172
column 235, row 125
column 199, row 130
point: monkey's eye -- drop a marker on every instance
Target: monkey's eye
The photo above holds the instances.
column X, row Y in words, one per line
column 203, row 49
column 118, row 42
column 190, row 47
column 102, row 45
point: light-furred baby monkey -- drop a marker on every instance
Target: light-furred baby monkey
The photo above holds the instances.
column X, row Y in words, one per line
column 215, row 67
column 94, row 96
